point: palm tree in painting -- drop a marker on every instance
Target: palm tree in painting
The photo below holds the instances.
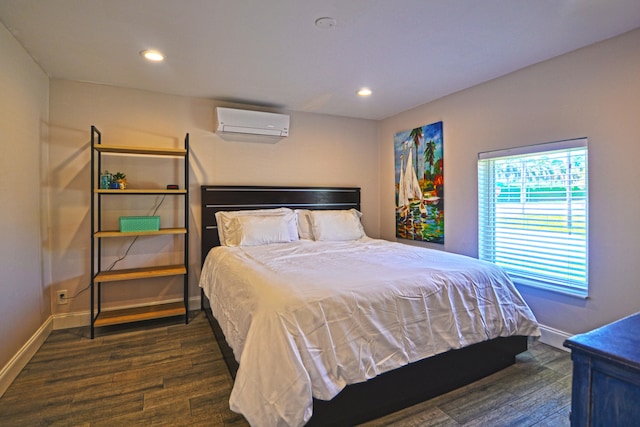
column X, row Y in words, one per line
column 416, row 136
column 430, row 156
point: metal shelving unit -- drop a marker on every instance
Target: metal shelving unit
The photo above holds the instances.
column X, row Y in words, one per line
column 100, row 277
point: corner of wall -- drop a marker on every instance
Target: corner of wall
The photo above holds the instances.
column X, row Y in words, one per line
column 11, row 370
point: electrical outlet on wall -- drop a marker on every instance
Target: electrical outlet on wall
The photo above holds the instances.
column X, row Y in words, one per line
column 62, row 297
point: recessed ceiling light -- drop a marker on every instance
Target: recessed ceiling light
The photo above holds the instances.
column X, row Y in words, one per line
column 365, row 91
column 152, row 55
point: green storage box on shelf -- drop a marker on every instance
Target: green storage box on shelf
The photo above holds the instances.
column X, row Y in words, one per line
column 139, row 223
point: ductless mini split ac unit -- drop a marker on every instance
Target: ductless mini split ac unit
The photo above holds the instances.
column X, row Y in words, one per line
column 251, row 126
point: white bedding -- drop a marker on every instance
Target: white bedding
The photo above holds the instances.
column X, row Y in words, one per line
column 307, row 318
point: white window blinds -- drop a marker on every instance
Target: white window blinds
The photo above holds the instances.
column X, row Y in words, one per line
column 533, row 206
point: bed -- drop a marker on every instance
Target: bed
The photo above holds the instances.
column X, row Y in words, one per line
column 332, row 373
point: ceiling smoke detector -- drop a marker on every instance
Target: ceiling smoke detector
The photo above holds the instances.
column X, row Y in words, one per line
column 325, row 23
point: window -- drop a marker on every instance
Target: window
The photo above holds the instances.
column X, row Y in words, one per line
column 532, row 213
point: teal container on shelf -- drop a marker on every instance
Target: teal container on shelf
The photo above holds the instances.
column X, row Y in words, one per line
column 130, row 224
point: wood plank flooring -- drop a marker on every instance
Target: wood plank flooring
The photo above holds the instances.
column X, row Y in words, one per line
column 170, row 374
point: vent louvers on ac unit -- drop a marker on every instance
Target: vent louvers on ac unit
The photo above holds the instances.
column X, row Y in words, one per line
column 252, row 126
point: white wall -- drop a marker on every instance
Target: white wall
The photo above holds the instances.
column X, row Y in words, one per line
column 24, row 302
column 592, row 92
column 321, row 150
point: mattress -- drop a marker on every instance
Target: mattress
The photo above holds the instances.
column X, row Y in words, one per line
column 306, row 318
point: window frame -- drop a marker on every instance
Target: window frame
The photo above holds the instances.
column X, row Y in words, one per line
column 489, row 219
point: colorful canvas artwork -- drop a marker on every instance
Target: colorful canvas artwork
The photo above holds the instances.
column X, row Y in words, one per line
column 419, row 180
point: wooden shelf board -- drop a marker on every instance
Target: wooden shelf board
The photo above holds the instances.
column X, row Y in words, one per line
column 115, row 233
column 136, row 314
column 140, row 273
column 139, row 191
column 140, row 150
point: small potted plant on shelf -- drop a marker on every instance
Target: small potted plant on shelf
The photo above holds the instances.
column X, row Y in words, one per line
column 118, row 180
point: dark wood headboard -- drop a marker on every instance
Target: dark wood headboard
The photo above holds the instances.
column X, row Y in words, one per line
column 233, row 198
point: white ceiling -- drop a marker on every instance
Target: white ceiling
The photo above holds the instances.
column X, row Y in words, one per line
column 269, row 52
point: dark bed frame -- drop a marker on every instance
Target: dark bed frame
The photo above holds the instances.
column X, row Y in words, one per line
column 385, row 393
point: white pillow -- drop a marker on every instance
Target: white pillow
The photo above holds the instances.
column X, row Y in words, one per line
column 226, row 228
column 337, row 225
column 260, row 230
column 303, row 217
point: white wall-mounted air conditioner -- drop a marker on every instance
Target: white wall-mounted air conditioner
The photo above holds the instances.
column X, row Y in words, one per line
column 252, row 126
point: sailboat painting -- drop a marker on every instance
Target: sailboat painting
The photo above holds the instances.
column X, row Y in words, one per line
column 419, row 184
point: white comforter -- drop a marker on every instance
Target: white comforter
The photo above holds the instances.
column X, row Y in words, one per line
column 307, row 318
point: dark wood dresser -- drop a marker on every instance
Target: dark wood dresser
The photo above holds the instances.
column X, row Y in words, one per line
column 606, row 375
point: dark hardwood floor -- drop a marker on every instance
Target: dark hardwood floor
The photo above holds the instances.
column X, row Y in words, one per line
column 164, row 374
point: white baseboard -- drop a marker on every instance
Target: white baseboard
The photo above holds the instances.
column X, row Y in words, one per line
column 11, row 370
column 83, row 318
column 554, row 337
column 71, row 320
